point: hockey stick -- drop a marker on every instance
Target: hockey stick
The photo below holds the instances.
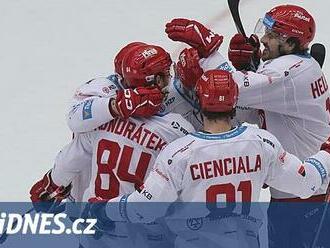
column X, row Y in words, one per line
column 318, row 53
column 233, row 7
column 325, row 210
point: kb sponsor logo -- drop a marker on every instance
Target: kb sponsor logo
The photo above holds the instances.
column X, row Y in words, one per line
column 145, row 193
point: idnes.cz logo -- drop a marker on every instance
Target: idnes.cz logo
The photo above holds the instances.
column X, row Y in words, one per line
column 44, row 223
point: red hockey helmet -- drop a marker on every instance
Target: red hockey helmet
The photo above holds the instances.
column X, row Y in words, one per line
column 120, row 55
column 217, row 91
column 291, row 21
column 142, row 64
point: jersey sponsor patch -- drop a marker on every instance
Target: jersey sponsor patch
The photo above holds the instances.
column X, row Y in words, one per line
column 161, row 174
column 169, row 101
column 194, row 223
column 225, row 66
column 87, row 109
column 107, row 89
column 267, row 141
column 181, row 150
column 246, row 80
column 176, row 125
column 166, row 104
column 142, row 190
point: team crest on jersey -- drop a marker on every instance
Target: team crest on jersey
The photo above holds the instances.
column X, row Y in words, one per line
column 194, row 223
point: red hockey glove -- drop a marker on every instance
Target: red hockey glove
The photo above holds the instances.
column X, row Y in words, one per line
column 194, row 34
column 139, row 102
column 326, row 146
column 243, row 51
column 45, row 192
column 188, row 68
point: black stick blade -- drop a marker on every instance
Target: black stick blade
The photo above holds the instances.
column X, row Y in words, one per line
column 318, row 53
column 233, row 6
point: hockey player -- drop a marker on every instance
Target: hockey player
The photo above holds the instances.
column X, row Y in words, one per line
column 90, row 107
column 190, row 65
column 101, row 99
column 220, row 161
column 96, row 102
column 119, row 153
column 292, row 91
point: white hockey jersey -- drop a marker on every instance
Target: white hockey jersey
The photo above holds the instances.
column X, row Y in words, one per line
column 293, row 94
column 90, row 106
column 225, row 167
column 118, row 155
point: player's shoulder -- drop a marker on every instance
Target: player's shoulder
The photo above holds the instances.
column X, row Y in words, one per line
column 265, row 138
column 292, row 63
column 173, row 123
column 215, row 61
column 100, row 86
column 179, row 149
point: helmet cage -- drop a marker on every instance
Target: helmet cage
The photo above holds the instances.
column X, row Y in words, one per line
column 265, row 27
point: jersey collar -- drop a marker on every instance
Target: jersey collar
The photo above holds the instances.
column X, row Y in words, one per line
column 219, row 136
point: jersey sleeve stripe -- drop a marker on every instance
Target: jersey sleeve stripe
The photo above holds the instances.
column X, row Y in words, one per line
column 319, row 166
column 123, row 207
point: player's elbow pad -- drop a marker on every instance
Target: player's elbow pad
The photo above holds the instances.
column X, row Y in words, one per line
column 77, row 127
column 314, row 174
